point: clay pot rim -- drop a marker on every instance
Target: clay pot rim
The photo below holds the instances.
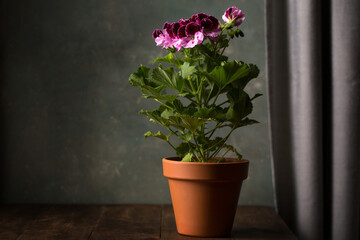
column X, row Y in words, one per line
column 236, row 170
column 229, row 161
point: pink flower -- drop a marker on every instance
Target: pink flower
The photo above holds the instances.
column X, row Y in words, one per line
column 164, row 40
column 191, row 42
column 233, row 15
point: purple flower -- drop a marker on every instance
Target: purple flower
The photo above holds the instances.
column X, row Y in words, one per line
column 198, row 17
column 193, row 18
column 215, row 23
column 233, row 15
column 174, row 29
column 166, row 25
column 182, row 32
column 206, row 24
column 184, row 22
column 211, row 27
column 192, row 28
column 156, row 33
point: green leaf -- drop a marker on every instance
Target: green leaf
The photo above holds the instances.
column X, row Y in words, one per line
column 206, row 50
column 204, row 112
column 246, row 122
column 167, row 113
column 176, row 122
column 177, row 104
column 182, row 149
column 240, row 106
column 188, row 157
column 155, row 117
column 187, row 70
column 236, row 70
column 139, row 78
column 217, row 76
column 189, row 110
column 242, row 82
column 186, row 137
column 150, row 92
column 168, row 77
column 155, row 93
column 219, row 114
column 191, row 123
column 169, row 59
column 224, row 43
column 227, row 73
column 233, row 149
column 157, row 135
column 193, row 60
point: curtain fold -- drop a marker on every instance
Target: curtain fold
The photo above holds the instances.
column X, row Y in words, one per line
column 345, row 36
column 313, row 62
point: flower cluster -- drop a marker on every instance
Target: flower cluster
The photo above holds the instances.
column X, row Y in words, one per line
column 188, row 33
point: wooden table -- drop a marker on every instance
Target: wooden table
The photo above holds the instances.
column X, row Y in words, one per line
column 106, row 222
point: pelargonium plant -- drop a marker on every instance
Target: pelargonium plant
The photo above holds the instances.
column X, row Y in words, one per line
column 200, row 91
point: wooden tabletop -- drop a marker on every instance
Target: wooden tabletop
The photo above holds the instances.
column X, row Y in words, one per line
column 107, row 222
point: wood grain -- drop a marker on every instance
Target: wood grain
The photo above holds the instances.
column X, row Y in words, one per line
column 14, row 219
column 128, row 222
column 63, row 222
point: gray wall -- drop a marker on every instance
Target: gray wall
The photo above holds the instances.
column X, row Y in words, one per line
column 70, row 127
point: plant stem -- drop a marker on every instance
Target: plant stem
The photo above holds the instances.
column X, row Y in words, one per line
column 225, row 153
column 164, row 104
column 216, row 97
column 223, row 103
column 223, row 51
column 172, row 131
column 208, row 97
column 171, row 145
column 199, row 91
column 213, row 130
column 194, row 92
column 198, row 148
column 189, row 98
column 222, row 141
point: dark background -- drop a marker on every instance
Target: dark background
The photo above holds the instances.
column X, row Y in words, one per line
column 70, row 129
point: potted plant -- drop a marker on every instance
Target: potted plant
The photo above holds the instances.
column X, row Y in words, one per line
column 199, row 92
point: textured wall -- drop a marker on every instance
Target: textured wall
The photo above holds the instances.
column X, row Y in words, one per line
column 70, row 129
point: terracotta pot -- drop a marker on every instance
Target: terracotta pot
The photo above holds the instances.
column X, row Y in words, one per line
column 205, row 195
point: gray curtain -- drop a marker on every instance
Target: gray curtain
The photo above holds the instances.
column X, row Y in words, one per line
column 313, row 67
